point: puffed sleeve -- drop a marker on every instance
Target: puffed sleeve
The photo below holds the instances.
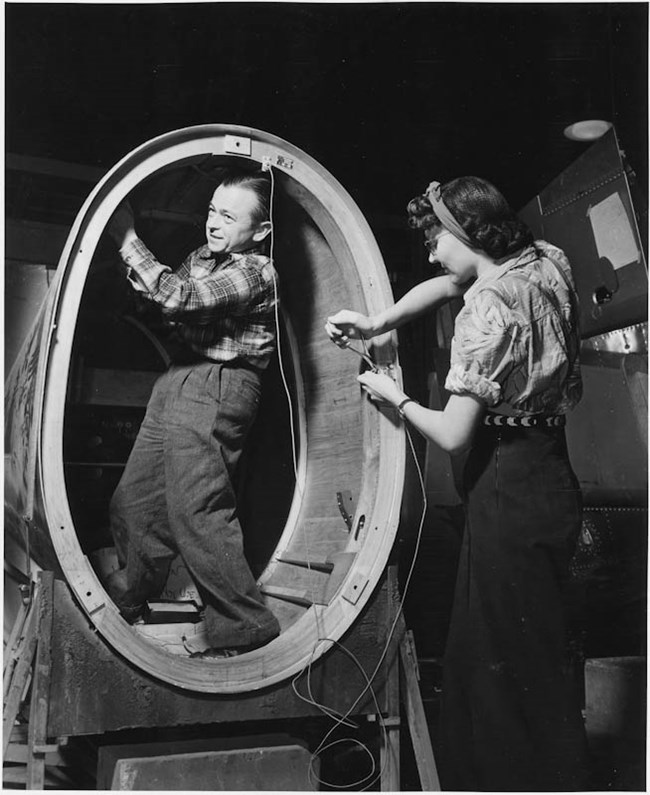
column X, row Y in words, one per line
column 484, row 348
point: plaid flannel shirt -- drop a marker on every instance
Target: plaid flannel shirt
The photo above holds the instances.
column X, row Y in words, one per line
column 225, row 307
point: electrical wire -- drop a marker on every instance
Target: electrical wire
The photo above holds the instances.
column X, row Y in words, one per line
column 344, row 719
column 339, row 719
column 276, row 312
column 294, row 442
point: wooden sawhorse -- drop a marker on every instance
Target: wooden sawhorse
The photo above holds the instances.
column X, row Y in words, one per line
column 75, row 676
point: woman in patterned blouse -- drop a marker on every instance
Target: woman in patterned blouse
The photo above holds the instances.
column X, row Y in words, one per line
column 511, row 718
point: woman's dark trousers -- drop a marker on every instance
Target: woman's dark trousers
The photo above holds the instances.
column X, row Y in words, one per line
column 511, row 710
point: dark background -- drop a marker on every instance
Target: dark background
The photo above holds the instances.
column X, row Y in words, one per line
column 387, row 96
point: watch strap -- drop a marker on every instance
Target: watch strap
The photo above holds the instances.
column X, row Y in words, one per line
column 400, row 406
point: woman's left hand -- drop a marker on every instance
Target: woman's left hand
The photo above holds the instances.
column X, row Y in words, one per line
column 381, row 387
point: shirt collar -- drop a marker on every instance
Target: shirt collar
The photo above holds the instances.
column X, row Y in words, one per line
column 204, row 253
column 524, row 257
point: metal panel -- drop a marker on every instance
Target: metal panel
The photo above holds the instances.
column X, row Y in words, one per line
column 588, row 212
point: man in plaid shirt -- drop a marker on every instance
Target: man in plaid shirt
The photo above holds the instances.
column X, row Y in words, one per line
column 176, row 496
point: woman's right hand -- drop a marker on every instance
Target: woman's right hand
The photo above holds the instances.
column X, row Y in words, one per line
column 346, row 325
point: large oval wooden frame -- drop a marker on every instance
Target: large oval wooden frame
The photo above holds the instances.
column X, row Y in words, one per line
column 382, row 461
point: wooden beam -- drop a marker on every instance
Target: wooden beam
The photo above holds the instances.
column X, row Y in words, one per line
column 318, row 564
column 40, row 698
column 287, row 594
column 417, row 720
column 19, row 676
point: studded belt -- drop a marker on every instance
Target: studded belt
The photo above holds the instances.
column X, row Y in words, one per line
column 535, row 421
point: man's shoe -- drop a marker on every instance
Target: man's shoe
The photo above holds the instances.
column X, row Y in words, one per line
column 117, row 587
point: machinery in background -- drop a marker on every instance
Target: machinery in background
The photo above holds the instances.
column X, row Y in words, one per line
column 589, row 212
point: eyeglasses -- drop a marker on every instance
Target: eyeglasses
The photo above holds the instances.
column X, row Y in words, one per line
column 431, row 244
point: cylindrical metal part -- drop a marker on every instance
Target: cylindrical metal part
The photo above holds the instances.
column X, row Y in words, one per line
column 350, row 456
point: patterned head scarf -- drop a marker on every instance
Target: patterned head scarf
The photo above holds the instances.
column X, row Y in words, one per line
column 443, row 214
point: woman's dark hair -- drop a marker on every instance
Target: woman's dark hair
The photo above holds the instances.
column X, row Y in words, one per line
column 481, row 210
column 260, row 183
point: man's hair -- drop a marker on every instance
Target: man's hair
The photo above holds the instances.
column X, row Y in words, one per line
column 482, row 211
column 257, row 181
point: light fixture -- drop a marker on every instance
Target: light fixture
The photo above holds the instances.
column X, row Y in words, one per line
column 588, row 130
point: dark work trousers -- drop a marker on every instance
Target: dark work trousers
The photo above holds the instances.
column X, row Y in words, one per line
column 511, row 711
column 176, row 496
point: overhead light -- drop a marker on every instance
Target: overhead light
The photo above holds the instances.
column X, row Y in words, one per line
column 588, row 130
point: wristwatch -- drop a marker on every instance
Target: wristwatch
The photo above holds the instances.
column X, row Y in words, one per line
column 400, row 406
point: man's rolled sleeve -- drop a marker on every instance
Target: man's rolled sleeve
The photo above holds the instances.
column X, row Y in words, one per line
column 233, row 288
column 143, row 269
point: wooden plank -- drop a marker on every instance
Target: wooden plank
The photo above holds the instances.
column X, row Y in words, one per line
column 283, row 768
column 417, row 721
column 109, row 755
column 19, row 754
column 37, row 736
column 55, row 778
column 390, row 739
column 11, row 648
column 287, row 594
column 318, row 564
column 14, row 775
column 19, row 734
column 21, row 672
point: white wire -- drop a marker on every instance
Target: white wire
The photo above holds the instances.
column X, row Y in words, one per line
column 344, row 719
column 285, row 383
column 276, row 311
column 339, row 718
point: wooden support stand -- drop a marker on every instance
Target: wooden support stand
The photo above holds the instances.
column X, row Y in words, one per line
column 414, row 707
column 27, row 668
column 69, row 677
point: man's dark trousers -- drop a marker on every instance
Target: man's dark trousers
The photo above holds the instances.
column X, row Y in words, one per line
column 176, row 497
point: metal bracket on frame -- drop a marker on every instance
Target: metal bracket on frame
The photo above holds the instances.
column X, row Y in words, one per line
column 347, row 507
column 237, row 145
